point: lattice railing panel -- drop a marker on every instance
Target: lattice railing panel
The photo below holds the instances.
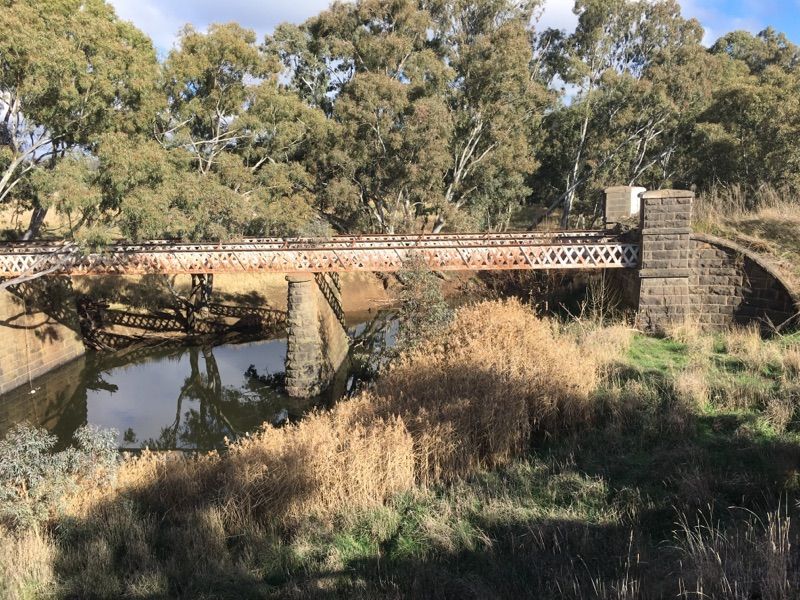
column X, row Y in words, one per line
column 445, row 252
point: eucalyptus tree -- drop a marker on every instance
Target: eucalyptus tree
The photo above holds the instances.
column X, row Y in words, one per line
column 496, row 100
column 434, row 108
column 748, row 134
column 228, row 146
column 70, row 72
column 618, row 117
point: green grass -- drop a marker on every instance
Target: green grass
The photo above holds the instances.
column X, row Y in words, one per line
column 657, row 355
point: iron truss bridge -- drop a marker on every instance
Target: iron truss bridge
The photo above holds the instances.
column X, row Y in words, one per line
column 441, row 252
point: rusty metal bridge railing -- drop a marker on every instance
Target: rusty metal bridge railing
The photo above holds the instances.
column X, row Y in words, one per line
column 441, row 252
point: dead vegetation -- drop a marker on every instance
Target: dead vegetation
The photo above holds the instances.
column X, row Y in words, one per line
column 426, row 485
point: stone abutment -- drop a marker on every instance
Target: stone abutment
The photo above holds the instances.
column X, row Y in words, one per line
column 686, row 276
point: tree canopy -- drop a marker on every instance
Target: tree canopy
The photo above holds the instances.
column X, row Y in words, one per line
column 378, row 115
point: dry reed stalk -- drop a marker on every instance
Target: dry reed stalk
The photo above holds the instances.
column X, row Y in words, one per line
column 474, row 398
column 26, row 566
column 752, row 560
column 328, row 462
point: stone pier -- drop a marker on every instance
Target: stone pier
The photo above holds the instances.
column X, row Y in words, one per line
column 318, row 343
column 664, row 295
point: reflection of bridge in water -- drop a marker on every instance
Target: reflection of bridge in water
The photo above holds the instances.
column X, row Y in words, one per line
column 204, row 394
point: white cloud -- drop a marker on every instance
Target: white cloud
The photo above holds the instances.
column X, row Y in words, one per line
column 162, row 19
column 558, row 15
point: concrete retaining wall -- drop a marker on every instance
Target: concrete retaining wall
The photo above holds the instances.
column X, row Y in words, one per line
column 39, row 330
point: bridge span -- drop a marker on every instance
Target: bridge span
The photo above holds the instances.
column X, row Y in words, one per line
column 385, row 253
column 667, row 272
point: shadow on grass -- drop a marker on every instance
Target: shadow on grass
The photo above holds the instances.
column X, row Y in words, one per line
column 549, row 538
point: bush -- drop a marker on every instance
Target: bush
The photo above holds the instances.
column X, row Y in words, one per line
column 35, row 481
column 423, row 310
column 475, row 395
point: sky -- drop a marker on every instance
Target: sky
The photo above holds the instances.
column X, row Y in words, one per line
column 162, row 19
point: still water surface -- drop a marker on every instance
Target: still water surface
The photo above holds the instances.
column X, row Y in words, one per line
column 182, row 397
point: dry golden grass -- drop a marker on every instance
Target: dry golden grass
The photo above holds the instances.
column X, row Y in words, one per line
column 698, row 342
column 327, row 462
column 691, row 387
column 604, row 345
column 26, row 566
column 746, row 345
column 473, row 398
column 791, row 360
column 766, row 221
column 754, row 560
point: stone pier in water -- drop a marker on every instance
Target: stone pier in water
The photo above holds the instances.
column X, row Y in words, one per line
column 318, row 343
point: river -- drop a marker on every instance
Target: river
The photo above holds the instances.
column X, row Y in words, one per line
column 184, row 397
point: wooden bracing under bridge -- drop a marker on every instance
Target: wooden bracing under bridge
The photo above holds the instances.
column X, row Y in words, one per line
column 441, row 252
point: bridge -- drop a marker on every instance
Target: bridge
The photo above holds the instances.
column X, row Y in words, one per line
column 384, row 253
column 668, row 273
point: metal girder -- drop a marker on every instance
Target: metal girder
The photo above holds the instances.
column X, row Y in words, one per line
column 441, row 252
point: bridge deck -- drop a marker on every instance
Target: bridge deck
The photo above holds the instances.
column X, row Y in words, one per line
column 442, row 252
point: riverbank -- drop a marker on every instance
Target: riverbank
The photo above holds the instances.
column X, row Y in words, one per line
column 511, row 457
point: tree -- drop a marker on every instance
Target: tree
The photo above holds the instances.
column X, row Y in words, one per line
column 434, row 106
column 619, row 117
column 71, row 71
column 747, row 136
column 224, row 157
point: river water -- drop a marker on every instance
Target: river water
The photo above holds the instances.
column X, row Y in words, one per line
column 183, row 397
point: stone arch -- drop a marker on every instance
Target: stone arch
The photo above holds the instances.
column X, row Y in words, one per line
column 729, row 283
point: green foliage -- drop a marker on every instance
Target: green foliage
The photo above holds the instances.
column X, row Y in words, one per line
column 71, row 71
column 423, row 309
column 435, row 109
column 380, row 115
column 34, row 480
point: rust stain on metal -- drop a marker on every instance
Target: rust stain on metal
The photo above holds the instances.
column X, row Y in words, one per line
column 442, row 252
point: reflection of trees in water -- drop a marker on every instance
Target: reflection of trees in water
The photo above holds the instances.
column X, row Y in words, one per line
column 206, row 410
column 217, row 412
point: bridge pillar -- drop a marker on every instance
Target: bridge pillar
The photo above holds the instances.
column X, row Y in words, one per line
column 666, row 219
column 318, row 343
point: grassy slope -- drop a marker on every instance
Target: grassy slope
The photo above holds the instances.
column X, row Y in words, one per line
column 633, row 501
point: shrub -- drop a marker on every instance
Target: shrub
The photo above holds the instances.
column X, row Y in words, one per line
column 423, row 310
column 35, row 481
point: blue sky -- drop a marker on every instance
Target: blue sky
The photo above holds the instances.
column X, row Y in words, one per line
column 162, row 19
